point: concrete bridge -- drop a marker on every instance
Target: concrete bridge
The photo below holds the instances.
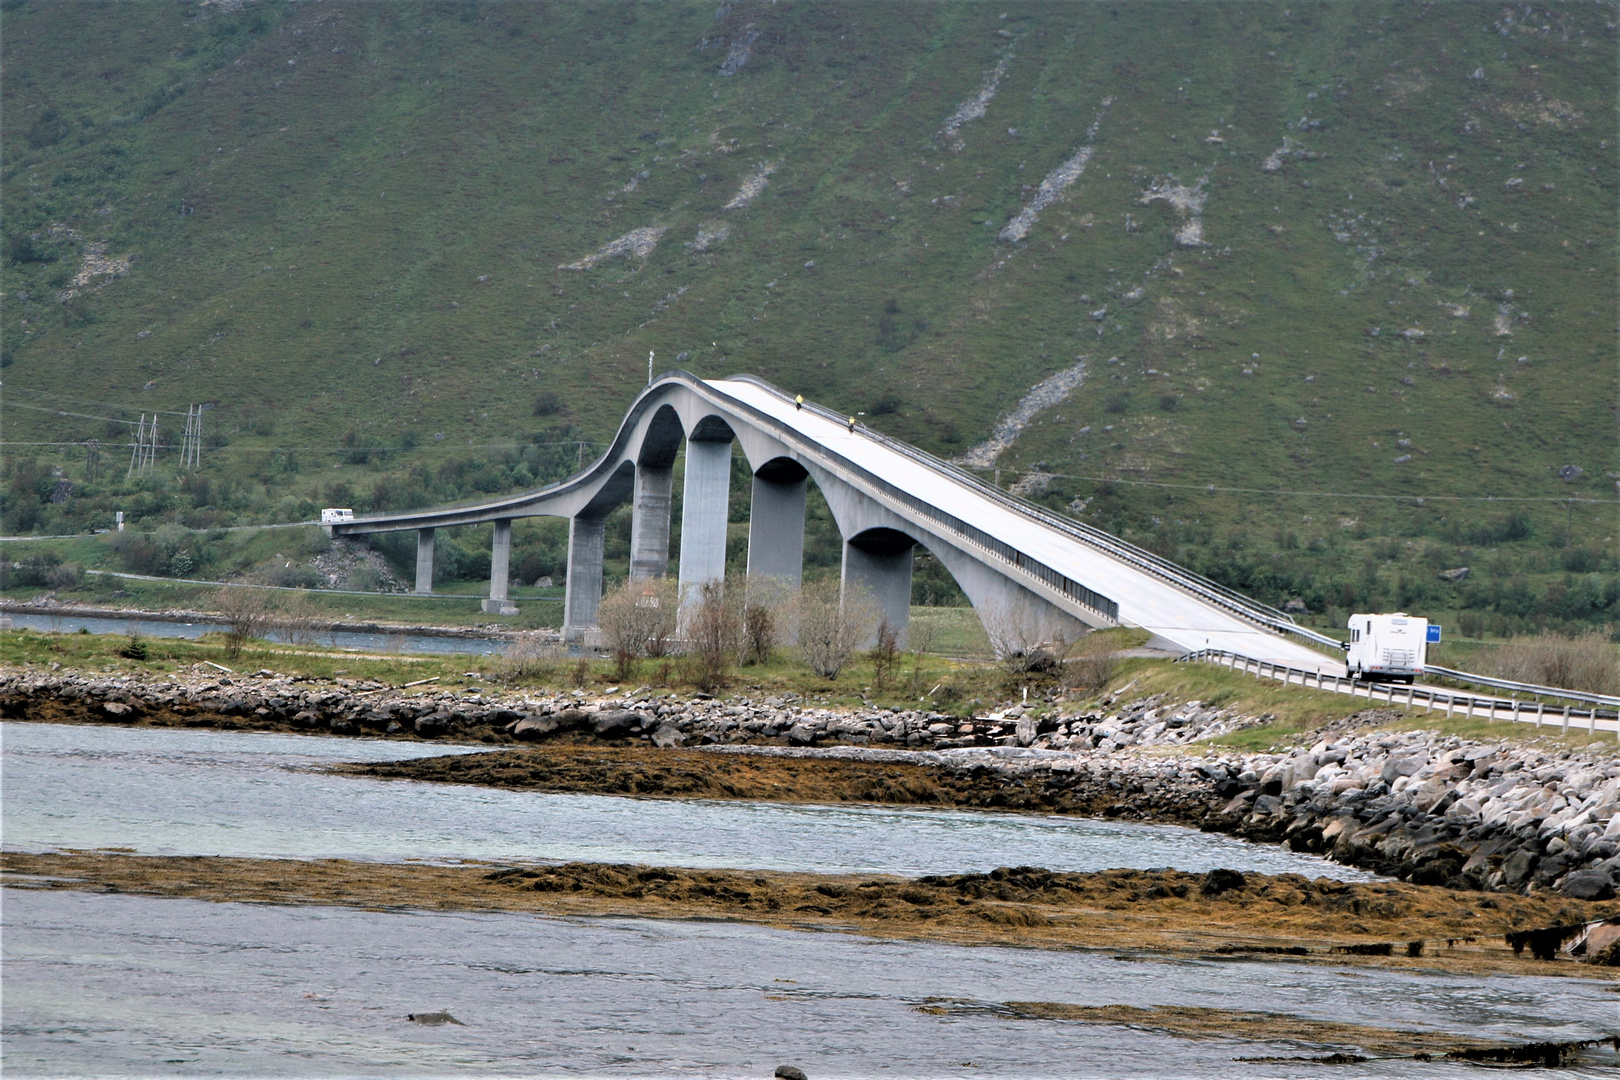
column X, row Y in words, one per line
column 1029, row 573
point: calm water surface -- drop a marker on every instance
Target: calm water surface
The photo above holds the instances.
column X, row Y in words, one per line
column 106, row 985
column 200, row 792
column 339, row 639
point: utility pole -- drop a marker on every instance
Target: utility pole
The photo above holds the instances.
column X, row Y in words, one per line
column 649, row 367
column 135, row 450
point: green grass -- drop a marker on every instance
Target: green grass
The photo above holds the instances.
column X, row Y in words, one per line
column 345, row 224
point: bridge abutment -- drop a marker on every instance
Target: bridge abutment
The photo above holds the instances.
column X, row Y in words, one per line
column 424, row 560
column 500, row 562
column 582, row 592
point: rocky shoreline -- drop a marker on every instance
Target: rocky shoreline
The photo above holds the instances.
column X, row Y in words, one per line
column 1420, row 806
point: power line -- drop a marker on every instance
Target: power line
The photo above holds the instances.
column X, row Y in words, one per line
column 85, row 401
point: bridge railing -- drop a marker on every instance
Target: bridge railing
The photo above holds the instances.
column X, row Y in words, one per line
column 1055, row 579
column 1160, row 567
column 1411, row 696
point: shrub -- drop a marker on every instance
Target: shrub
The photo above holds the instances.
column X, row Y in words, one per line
column 34, row 571
column 884, row 653
column 529, row 658
column 833, row 623
column 767, row 615
column 135, row 648
column 638, row 619
column 298, row 621
column 712, row 624
column 1587, row 662
column 248, row 615
column 1094, row 664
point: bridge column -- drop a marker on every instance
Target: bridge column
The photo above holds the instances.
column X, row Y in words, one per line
column 582, row 593
column 500, row 560
column 703, row 513
column 882, row 563
column 776, row 525
column 649, row 522
column 424, row 560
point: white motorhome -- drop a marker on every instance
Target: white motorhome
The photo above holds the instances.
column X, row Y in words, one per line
column 1387, row 647
column 334, row 514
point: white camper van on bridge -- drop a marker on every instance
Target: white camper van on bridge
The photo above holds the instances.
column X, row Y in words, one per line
column 1387, row 647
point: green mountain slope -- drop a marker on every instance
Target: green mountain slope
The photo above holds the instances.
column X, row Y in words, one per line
column 1357, row 249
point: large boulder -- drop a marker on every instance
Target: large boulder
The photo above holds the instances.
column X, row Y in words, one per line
column 533, row 728
column 1588, row 885
column 117, row 710
column 667, row 736
column 616, row 723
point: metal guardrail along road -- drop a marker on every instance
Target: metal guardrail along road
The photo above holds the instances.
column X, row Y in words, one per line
column 1591, row 720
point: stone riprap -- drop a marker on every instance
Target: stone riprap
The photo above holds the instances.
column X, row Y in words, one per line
column 1421, row 806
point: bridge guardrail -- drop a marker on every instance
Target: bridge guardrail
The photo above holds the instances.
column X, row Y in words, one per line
column 1520, row 711
column 1141, row 558
column 1057, row 580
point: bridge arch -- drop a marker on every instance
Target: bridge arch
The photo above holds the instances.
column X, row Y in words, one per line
column 1006, row 555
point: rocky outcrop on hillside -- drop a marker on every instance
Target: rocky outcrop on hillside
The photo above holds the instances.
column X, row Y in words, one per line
column 1422, row 806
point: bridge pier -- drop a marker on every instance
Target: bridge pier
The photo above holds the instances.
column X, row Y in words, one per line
column 880, row 560
column 776, row 523
column 500, row 561
column 649, row 522
column 582, row 592
column 424, row 560
column 703, row 513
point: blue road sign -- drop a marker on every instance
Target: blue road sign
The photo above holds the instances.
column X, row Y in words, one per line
column 1434, row 634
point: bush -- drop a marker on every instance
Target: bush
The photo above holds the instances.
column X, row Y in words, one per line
column 712, row 625
column 883, row 654
column 247, row 614
column 638, row 619
column 529, row 658
column 833, row 623
column 135, row 648
column 1094, row 664
column 1587, row 663
column 767, row 614
column 34, row 571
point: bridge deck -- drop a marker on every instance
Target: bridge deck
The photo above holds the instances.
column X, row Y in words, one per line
column 1144, row 600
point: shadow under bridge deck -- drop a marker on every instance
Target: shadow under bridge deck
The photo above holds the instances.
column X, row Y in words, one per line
column 1029, row 573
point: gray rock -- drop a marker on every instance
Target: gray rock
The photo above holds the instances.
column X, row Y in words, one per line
column 117, row 710
column 532, row 728
column 1588, row 885
column 667, row 736
column 615, row 723
column 1455, row 574
column 433, row 1019
column 1026, row 730
column 342, row 727
column 790, row 1072
column 431, row 727
column 1518, row 867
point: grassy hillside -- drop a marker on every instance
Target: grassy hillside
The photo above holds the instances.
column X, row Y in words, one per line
column 1357, row 249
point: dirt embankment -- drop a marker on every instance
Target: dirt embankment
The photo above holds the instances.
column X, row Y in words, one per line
column 604, row 770
column 1222, row 913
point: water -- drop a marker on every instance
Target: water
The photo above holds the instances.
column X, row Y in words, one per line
column 123, row 985
column 340, row 639
column 200, row 792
